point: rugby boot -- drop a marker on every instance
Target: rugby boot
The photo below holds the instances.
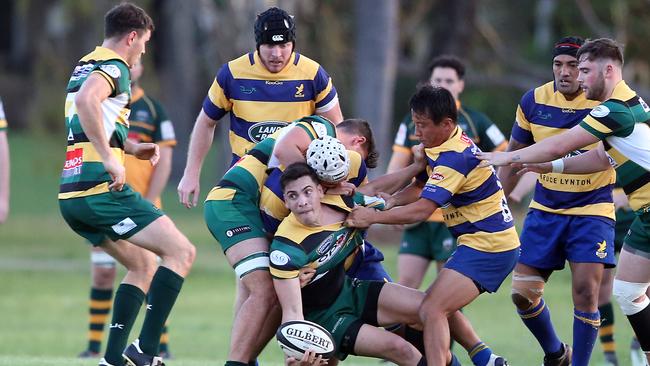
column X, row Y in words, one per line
column 563, row 360
column 134, row 356
column 103, row 362
column 496, row 360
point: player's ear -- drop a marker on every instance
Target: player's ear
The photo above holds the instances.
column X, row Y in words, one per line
column 130, row 38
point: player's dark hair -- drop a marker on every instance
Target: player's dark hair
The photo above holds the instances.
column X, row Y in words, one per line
column 601, row 48
column 450, row 61
column 434, row 102
column 125, row 18
column 296, row 171
column 361, row 127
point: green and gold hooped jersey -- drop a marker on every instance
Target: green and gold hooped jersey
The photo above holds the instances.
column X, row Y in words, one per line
column 621, row 122
column 83, row 173
column 250, row 172
column 3, row 119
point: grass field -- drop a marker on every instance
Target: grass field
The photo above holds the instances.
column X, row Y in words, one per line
column 44, row 282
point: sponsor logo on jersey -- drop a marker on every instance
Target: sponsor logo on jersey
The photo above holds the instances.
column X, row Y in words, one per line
column 111, row 70
column 74, row 159
column 262, row 130
column 325, row 245
column 602, row 250
column 437, row 176
column 246, row 90
column 330, row 247
column 273, row 82
column 464, row 138
column 644, row 105
column 238, row 230
column 600, row 111
column 279, row 258
column 141, row 115
column 300, row 91
column 81, row 71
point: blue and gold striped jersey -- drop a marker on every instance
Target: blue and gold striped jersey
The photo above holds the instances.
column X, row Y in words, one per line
column 544, row 112
column 260, row 102
column 472, row 201
column 3, row 119
column 83, row 173
column 621, row 122
column 272, row 206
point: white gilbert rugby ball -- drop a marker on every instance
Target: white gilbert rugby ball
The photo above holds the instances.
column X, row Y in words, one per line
column 297, row 336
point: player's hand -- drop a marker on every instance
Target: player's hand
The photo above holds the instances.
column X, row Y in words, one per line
column 117, row 173
column 147, row 151
column 419, row 156
column 360, row 217
column 188, row 190
column 541, row 168
column 305, row 275
column 344, row 188
column 496, row 158
column 389, row 200
column 308, row 359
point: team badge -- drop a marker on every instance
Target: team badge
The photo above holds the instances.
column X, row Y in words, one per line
column 602, row 250
column 600, row 111
column 279, row 258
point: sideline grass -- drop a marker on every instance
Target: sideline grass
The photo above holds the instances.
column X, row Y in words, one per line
column 44, row 282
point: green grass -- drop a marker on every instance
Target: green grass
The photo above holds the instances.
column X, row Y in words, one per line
column 44, row 282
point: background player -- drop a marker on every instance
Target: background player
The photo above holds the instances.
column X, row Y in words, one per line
column 148, row 122
column 4, row 167
column 97, row 204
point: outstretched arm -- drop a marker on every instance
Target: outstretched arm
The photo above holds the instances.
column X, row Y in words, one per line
column 507, row 174
column 414, row 212
column 595, row 160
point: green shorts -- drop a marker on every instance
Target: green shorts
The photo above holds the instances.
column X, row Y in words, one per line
column 638, row 237
column 114, row 214
column 624, row 219
column 431, row 240
column 234, row 220
column 356, row 305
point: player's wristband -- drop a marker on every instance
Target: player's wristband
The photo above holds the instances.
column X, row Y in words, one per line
column 558, row 166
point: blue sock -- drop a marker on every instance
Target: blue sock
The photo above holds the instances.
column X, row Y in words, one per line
column 480, row 354
column 585, row 332
column 538, row 321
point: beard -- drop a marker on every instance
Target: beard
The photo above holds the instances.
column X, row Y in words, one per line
column 596, row 91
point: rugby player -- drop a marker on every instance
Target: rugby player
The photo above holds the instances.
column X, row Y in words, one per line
column 580, row 207
column 474, row 209
column 619, row 123
column 97, row 204
column 4, row 167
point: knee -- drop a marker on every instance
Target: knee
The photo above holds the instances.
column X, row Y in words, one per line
column 104, row 277
column 399, row 349
column 631, row 296
column 527, row 290
column 585, row 295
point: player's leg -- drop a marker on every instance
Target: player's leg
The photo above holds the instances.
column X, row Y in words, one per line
column 586, row 278
column 633, row 279
column 542, row 251
column 414, row 256
column 377, row 342
column 450, row 291
column 606, row 310
column 103, row 271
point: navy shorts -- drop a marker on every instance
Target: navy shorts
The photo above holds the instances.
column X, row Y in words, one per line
column 367, row 265
column 548, row 240
column 487, row 270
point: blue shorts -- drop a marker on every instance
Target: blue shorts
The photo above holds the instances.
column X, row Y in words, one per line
column 367, row 265
column 487, row 270
column 548, row 240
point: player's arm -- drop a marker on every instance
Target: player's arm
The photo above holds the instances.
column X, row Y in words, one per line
column 508, row 174
column 392, row 182
column 200, row 143
column 543, row 151
column 4, row 177
column 399, row 160
column 334, row 114
column 593, row 161
column 414, row 212
column 288, row 291
column 291, row 147
column 88, row 103
column 160, row 174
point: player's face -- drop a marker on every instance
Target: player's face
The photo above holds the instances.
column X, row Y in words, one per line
column 446, row 77
column 302, row 197
column 565, row 71
column 430, row 134
column 137, row 45
column 136, row 71
column 352, row 142
column 592, row 78
column 275, row 56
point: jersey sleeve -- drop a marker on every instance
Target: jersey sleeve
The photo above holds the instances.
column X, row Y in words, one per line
column 608, row 119
column 402, row 141
column 117, row 75
column 490, row 135
column 446, row 178
column 164, row 134
column 217, row 103
column 286, row 258
column 521, row 130
column 358, row 174
column 326, row 96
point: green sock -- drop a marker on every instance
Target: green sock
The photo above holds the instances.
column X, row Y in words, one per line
column 165, row 286
column 100, row 307
column 128, row 300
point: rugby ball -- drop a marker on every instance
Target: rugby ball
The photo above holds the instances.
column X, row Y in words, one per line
column 295, row 337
